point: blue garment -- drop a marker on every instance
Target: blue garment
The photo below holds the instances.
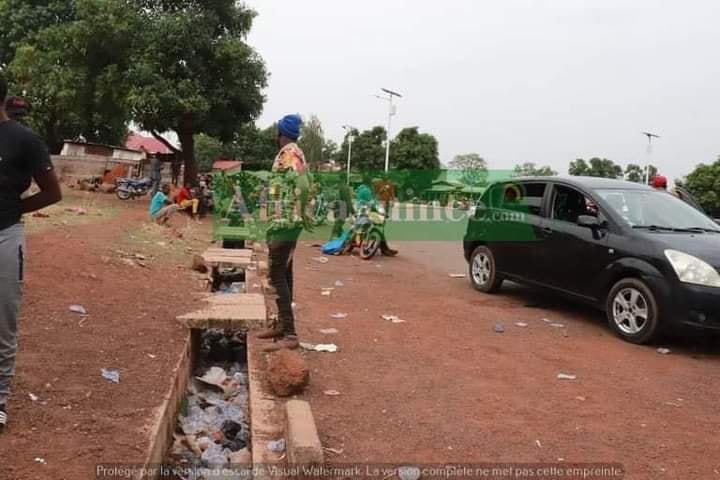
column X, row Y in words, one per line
column 157, row 203
column 289, row 126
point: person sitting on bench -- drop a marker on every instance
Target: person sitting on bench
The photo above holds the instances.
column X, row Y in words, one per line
column 187, row 200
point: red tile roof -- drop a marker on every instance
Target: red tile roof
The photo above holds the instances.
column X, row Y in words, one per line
column 149, row 145
column 227, row 165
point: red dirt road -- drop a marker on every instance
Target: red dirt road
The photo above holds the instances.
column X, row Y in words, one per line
column 80, row 419
column 444, row 387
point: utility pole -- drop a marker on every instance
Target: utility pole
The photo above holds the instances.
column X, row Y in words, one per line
column 650, row 137
column 350, row 139
column 391, row 111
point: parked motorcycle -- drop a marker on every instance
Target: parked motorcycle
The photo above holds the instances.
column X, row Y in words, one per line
column 368, row 232
column 128, row 188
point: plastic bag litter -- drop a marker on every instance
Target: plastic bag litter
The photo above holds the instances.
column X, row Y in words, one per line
column 215, row 456
column 566, row 376
column 321, row 347
column 215, row 376
column 78, row 309
column 339, row 283
column 112, row 376
column 277, row 446
column 393, row 318
column 339, row 316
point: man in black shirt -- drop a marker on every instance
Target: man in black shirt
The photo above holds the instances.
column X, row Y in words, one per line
column 23, row 157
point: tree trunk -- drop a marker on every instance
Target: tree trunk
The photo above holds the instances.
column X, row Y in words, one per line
column 186, row 135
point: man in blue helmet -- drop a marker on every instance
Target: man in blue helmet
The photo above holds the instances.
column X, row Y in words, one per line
column 288, row 200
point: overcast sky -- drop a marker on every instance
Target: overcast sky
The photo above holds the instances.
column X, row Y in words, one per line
column 513, row 80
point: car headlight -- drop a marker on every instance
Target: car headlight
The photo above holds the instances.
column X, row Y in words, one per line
column 691, row 269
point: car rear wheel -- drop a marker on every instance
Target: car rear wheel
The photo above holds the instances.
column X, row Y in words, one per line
column 632, row 311
column 483, row 271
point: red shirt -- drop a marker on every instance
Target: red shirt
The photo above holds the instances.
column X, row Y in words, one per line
column 182, row 195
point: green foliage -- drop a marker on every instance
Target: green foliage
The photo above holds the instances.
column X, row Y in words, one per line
column 312, row 142
column 368, row 152
column 256, row 148
column 192, row 71
column 209, row 149
column 597, row 167
column 473, row 167
column 330, row 150
column 412, row 150
column 704, row 184
column 73, row 69
column 636, row 173
column 529, row 169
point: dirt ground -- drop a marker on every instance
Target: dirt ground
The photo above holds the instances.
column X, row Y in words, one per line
column 445, row 387
column 80, row 419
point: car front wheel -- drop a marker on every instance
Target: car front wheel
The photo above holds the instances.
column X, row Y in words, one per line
column 632, row 311
column 483, row 271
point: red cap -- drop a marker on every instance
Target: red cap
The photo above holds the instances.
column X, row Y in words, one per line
column 659, row 181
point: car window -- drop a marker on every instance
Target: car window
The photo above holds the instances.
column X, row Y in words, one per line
column 519, row 197
column 568, row 204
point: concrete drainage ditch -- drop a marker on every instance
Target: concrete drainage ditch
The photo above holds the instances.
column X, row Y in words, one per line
column 213, row 426
column 227, row 423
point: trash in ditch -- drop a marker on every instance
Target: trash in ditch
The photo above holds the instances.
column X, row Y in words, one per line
column 339, row 283
column 521, row 324
column 332, row 393
column 499, row 328
column 110, row 375
column 78, row 309
column 393, row 318
column 276, row 446
column 321, row 259
column 557, row 325
column 566, row 376
column 213, row 429
column 40, row 460
column 664, row 351
column 456, row 275
column 329, row 331
column 339, row 316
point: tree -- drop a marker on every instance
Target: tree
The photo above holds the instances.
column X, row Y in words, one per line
column 473, row 168
column 704, row 184
column 209, row 149
column 312, row 142
column 636, row 173
column 21, row 20
column 73, row 71
column 256, row 148
column 412, row 150
column 598, row 167
column 368, row 152
column 192, row 71
column 529, row 169
column 330, row 150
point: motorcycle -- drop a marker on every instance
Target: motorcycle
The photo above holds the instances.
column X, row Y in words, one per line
column 368, row 231
column 128, row 188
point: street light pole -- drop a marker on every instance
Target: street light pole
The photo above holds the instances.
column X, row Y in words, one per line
column 391, row 112
column 350, row 138
column 650, row 137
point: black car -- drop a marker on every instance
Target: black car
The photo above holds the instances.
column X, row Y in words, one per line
column 648, row 259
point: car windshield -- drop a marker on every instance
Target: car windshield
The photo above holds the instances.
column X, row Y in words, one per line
column 656, row 210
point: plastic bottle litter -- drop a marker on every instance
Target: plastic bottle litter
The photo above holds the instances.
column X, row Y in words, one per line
column 339, row 316
column 566, row 376
column 112, row 376
column 521, row 324
column 276, row 446
column 557, row 325
column 326, row 347
column 331, row 393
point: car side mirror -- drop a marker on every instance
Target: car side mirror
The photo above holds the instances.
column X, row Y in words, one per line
column 588, row 221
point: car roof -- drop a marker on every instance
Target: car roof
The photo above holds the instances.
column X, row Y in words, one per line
column 587, row 182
